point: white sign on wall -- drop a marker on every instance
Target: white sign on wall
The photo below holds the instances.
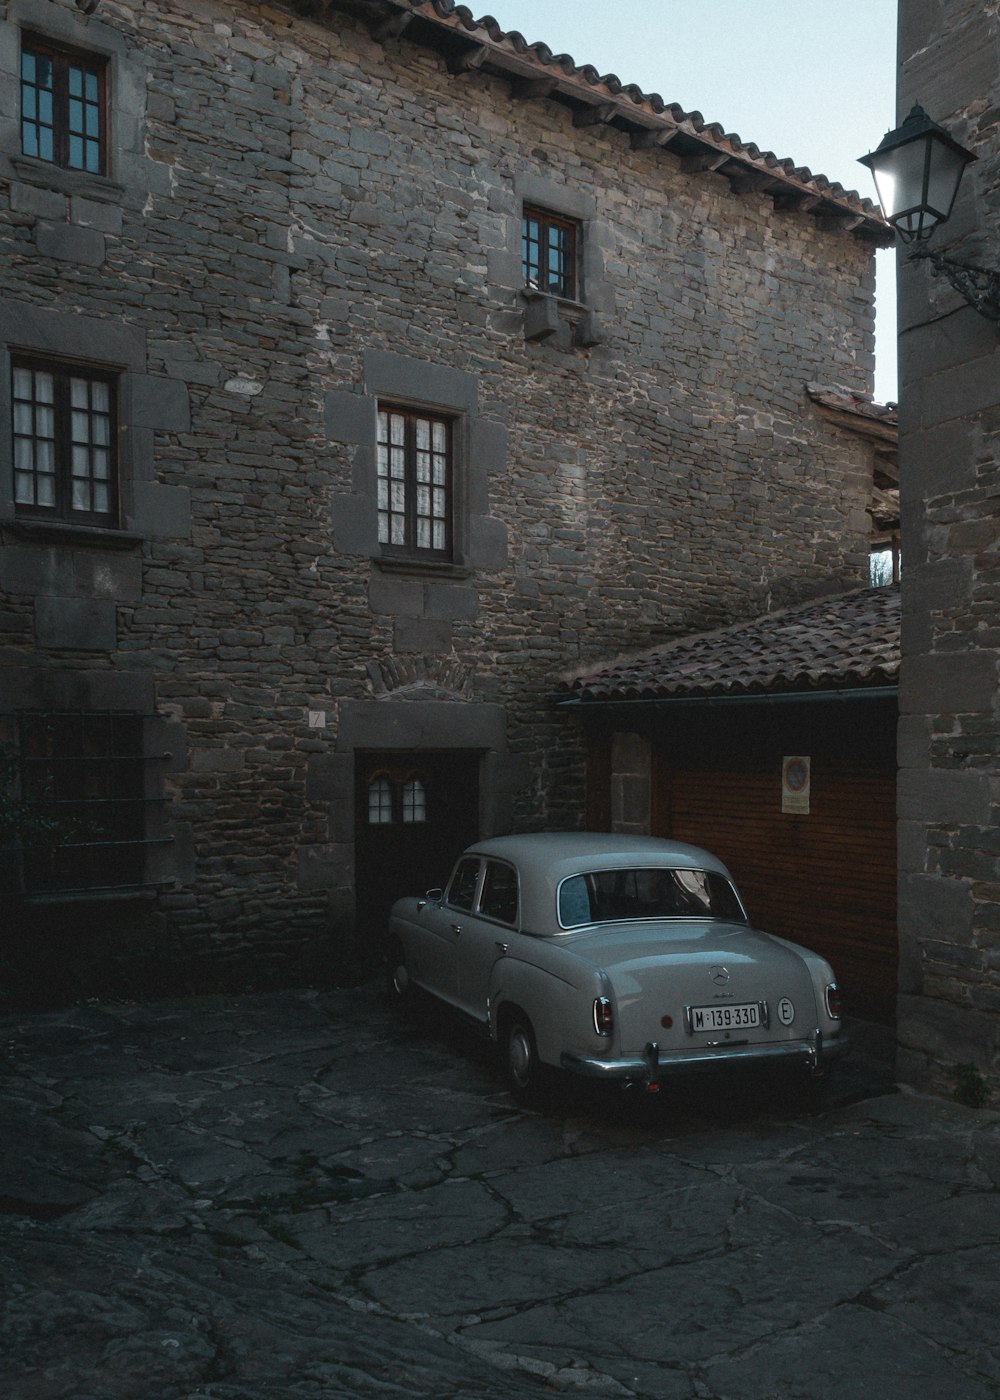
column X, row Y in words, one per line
column 795, row 777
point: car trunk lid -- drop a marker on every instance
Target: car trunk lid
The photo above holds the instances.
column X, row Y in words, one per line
column 700, row 983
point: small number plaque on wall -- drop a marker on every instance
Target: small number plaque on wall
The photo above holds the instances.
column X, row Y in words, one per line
column 795, row 776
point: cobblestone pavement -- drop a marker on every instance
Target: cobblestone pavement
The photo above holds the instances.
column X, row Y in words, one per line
column 299, row 1196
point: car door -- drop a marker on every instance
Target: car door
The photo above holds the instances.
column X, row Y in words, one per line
column 486, row 934
column 443, row 926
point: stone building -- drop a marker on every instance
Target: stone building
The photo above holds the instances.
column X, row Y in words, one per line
column 949, row 739
column 365, row 368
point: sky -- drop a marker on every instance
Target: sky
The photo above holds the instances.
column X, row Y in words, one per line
column 813, row 80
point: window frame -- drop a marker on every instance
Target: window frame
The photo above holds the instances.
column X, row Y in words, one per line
column 63, row 373
column 65, row 59
column 410, row 548
column 396, row 797
column 568, row 284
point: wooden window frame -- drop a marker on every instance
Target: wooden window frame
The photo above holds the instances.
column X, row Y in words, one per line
column 67, row 452
column 60, row 111
column 541, row 232
column 398, row 451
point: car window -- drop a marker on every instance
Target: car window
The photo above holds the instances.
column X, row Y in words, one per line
column 499, row 897
column 462, row 890
column 609, row 896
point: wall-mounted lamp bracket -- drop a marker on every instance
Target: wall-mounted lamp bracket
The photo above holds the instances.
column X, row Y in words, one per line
column 979, row 286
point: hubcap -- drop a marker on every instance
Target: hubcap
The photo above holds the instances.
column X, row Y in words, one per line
column 519, row 1056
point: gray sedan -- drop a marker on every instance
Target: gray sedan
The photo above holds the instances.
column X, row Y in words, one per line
column 620, row 958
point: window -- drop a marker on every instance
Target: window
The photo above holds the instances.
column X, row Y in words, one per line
column 613, row 896
column 63, row 107
column 414, row 483
column 392, row 799
column 462, row 890
column 498, row 899
column 64, row 434
column 549, row 253
column 82, row 801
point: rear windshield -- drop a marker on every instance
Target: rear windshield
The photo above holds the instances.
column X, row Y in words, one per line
column 608, row 896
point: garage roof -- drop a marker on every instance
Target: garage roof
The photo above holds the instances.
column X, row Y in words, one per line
column 848, row 642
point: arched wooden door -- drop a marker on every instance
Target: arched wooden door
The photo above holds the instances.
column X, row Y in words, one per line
column 415, row 811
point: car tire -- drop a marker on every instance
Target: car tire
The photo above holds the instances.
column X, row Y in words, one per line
column 399, row 988
column 525, row 1072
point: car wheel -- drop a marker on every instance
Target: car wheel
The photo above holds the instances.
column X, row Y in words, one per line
column 524, row 1071
column 398, row 985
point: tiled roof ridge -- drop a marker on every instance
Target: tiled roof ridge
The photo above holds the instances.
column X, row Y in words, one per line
column 715, row 133
column 846, row 650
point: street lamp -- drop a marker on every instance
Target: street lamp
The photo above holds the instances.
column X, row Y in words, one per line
column 917, row 170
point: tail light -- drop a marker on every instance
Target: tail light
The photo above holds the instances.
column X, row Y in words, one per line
column 833, row 1001
column 604, row 1016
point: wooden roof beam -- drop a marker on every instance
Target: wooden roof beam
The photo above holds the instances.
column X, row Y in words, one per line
column 829, row 222
column 392, row 26
column 469, row 60
column 707, row 160
column 653, row 139
column 746, row 181
column 531, row 89
column 595, row 116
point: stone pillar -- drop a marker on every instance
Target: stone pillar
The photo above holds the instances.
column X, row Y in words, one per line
column 949, row 736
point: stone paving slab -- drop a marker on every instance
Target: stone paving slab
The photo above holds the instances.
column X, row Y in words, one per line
column 299, row 1195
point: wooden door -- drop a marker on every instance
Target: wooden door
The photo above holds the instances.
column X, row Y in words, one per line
column 826, row 880
column 415, row 812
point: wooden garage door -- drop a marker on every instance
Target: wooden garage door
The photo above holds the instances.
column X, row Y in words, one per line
column 826, row 880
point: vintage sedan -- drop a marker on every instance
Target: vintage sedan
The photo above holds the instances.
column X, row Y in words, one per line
column 620, row 958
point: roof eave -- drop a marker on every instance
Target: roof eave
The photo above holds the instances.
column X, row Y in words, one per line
column 789, row 697
column 472, row 46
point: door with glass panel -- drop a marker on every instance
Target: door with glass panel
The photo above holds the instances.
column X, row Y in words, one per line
column 415, row 812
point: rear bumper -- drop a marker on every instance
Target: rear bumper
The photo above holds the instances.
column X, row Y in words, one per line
column 656, row 1064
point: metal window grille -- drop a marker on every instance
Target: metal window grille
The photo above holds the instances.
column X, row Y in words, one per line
column 85, row 786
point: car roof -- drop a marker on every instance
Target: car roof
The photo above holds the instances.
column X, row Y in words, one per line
column 564, row 853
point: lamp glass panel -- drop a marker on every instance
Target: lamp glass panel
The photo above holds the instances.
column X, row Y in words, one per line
column 946, row 166
column 899, row 179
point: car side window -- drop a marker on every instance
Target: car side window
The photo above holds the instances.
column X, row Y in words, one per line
column 574, row 902
column 462, row 890
column 499, row 897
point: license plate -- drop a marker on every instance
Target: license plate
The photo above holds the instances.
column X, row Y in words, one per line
column 725, row 1018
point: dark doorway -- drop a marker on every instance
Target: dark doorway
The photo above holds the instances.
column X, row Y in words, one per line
column 415, row 811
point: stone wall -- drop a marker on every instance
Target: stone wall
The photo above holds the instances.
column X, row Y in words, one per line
column 299, row 220
column 949, row 796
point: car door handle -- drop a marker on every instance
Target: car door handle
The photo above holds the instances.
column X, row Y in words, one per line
column 456, row 928
column 502, row 947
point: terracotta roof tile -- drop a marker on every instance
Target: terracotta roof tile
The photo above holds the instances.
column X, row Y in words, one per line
column 834, row 644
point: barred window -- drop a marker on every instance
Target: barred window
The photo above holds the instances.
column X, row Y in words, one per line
column 63, row 107
column 414, row 483
column 82, row 802
column 64, row 433
column 549, row 253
